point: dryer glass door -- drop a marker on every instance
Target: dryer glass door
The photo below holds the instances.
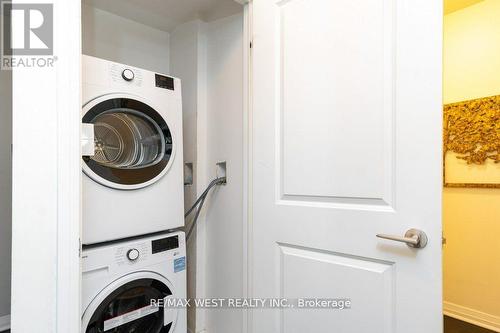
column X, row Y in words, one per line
column 133, row 143
column 128, row 309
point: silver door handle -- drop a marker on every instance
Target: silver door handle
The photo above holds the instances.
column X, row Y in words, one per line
column 413, row 238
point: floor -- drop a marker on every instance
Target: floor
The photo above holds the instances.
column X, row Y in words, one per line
column 452, row 325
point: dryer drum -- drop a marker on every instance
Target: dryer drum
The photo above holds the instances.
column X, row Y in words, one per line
column 133, row 142
column 126, row 140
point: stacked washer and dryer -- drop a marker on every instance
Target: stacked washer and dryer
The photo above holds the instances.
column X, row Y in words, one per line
column 132, row 196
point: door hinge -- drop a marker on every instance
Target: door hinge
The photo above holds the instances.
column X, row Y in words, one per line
column 251, row 44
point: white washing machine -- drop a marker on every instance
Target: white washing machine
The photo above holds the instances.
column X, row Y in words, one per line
column 123, row 282
column 133, row 184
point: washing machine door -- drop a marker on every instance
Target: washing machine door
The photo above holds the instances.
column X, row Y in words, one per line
column 126, row 306
column 133, row 143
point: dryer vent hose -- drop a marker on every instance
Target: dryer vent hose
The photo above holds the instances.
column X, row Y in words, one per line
column 198, row 205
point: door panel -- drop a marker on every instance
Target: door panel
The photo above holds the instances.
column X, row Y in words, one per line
column 368, row 283
column 346, row 144
column 336, row 64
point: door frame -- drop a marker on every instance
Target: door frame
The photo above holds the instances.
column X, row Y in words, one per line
column 247, row 161
column 46, row 183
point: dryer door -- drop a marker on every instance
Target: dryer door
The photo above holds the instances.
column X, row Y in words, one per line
column 126, row 307
column 133, row 142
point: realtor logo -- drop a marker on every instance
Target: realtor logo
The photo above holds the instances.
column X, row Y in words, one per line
column 27, row 30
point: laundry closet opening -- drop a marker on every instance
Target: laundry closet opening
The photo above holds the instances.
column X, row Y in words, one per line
column 196, row 51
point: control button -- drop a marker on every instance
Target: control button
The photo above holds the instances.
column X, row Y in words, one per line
column 133, row 254
column 128, row 75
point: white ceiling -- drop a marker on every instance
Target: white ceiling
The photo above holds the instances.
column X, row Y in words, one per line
column 167, row 14
column 451, row 6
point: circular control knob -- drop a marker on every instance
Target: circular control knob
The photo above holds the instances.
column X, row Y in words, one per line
column 128, row 75
column 133, row 254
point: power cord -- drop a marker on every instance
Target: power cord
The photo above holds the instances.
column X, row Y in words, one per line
column 199, row 203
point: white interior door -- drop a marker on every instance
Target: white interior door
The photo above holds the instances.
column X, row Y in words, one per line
column 347, row 145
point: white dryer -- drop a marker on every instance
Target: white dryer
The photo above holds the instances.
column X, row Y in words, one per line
column 123, row 281
column 133, row 185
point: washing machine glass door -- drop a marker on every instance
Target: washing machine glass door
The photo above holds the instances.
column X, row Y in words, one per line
column 133, row 143
column 128, row 309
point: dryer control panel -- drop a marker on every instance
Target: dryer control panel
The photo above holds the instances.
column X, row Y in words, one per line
column 164, row 82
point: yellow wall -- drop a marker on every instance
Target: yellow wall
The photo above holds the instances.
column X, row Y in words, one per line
column 454, row 5
column 472, row 216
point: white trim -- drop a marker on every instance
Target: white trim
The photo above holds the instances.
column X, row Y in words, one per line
column 4, row 323
column 67, row 35
column 247, row 158
column 472, row 316
column 46, row 183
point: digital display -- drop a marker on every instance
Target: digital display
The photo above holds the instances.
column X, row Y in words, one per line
column 165, row 244
column 164, row 82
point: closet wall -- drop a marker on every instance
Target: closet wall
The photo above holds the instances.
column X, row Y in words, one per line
column 208, row 57
column 5, row 195
column 112, row 37
column 187, row 43
column 224, row 244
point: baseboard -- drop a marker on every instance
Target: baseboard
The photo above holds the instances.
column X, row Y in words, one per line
column 472, row 316
column 4, row 323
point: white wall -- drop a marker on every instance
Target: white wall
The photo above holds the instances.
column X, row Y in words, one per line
column 185, row 53
column 208, row 57
column 5, row 191
column 184, row 50
column 115, row 38
column 224, row 264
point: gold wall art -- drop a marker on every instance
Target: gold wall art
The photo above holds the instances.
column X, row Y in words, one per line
column 472, row 143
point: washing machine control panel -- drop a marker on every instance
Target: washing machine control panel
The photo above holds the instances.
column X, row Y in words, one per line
column 139, row 254
column 133, row 254
column 165, row 244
